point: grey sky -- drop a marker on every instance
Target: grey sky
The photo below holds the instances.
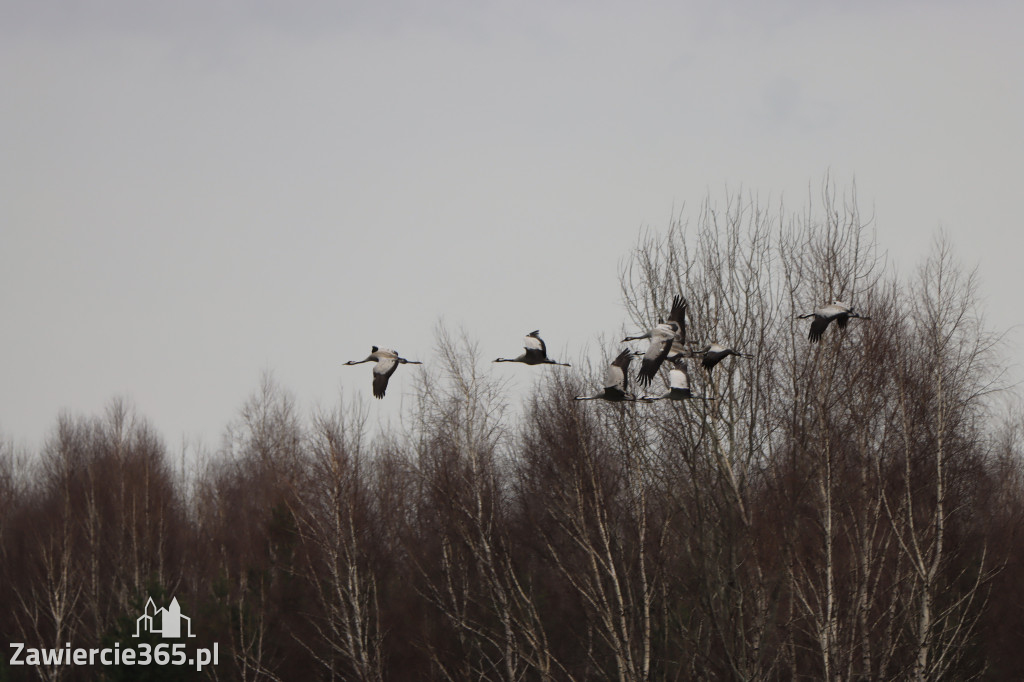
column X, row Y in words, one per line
column 191, row 193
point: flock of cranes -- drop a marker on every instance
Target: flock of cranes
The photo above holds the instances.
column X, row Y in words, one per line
column 667, row 341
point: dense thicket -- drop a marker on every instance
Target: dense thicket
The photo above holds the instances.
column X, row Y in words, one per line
column 847, row 510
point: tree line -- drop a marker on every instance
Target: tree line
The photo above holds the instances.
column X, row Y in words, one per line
column 845, row 510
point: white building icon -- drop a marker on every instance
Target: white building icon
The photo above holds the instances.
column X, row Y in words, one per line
column 169, row 620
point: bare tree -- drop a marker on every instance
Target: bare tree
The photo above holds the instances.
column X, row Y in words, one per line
column 47, row 598
column 783, row 485
column 940, row 387
column 587, row 495
column 246, row 500
column 102, row 515
column 711, row 456
column 479, row 587
column 336, row 521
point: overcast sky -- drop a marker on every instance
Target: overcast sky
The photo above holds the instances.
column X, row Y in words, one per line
column 194, row 192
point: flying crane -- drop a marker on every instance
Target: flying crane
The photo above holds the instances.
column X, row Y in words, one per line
column 616, row 381
column 535, row 352
column 678, row 385
column 823, row 316
column 714, row 353
column 666, row 338
column 387, row 362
